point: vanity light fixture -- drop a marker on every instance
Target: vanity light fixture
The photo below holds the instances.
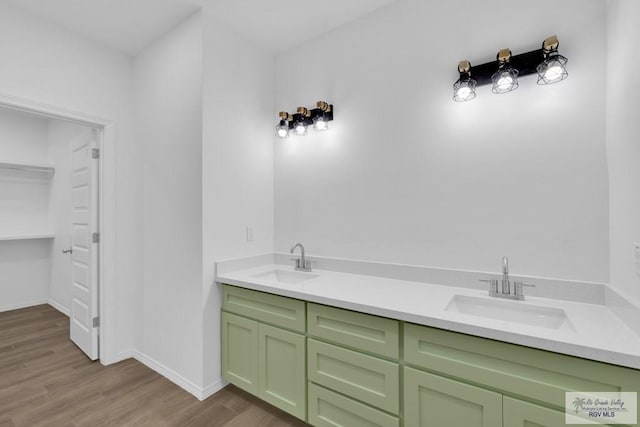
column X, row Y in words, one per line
column 506, row 78
column 282, row 128
column 465, row 88
column 299, row 122
column 503, row 74
column 320, row 120
column 553, row 68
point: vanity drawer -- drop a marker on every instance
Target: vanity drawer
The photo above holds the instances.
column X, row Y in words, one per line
column 365, row 378
column 273, row 309
column 536, row 375
column 329, row 409
column 362, row 331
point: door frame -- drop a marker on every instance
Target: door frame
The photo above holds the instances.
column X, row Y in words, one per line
column 106, row 210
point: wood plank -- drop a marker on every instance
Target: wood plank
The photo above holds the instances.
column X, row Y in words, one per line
column 43, row 375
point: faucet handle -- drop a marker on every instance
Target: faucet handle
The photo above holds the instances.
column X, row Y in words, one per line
column 493, row 285
column 518, row 288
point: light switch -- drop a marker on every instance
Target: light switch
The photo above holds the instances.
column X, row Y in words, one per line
column 249, row 233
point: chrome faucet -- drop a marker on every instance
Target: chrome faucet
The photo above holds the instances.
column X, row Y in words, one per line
column 302, row 263
column 506, row 285
column 506, row 291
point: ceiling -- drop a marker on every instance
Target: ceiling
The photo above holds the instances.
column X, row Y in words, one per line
column 130, row 25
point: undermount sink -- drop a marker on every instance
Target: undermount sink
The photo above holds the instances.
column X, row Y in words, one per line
column 511, row 311
column 285, row 276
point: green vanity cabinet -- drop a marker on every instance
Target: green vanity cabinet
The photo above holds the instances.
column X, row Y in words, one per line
column 259, row 355
column 434, row 401
column 338, row 368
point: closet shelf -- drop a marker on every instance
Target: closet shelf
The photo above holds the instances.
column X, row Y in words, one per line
column 26, row 236
column 28, row 167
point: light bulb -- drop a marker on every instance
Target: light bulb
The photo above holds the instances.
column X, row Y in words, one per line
column 282, row 129
column 505, row 80
column 464, row 92
column 300, row 128
column 552, row 69
column 553, row 73
column 464, row 89
column 320, row 124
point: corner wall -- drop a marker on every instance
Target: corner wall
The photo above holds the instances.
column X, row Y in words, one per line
column 237, row 165
column 168, row 93
column 623, row 144
column 406, row 175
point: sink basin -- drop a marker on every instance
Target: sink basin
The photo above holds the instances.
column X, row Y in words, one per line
column 511, row 311
column 285, row 276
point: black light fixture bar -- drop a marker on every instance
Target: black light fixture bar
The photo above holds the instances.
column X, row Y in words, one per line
column 525, row 63
column 310, row 115
column 504, row 72
column 298, row 123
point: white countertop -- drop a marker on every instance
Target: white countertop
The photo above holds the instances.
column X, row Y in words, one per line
column 595, row 333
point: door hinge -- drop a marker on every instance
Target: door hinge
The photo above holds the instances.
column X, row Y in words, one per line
column 95, row 238
column 96, row 322
column 95, row 153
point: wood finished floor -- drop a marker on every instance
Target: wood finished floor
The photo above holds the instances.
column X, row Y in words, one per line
column 45, row 380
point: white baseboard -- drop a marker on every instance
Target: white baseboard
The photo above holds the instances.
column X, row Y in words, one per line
column 213, row 388
column 61, row 308
column 18, row 306
column 171, row 375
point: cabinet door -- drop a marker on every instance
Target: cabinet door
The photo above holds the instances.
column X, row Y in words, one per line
column 523, row 414
column 282, row 369
column 240, row 352
column 434, row 401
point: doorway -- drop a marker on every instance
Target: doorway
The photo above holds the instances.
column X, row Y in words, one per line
column 53, row 218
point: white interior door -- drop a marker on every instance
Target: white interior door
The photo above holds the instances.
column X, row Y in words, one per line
column 84, row 245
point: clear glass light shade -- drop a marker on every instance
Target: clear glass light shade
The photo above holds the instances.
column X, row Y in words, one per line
column 299, row 128
column 552, row 69
column 282, row 129
column 464, row 89
column 505, row 80
column 320, row 123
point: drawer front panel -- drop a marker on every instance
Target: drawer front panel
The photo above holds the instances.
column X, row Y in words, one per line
column 279, row 311
column 521, row 371
column 362, row 331
column 329, row 409
column 365, row 378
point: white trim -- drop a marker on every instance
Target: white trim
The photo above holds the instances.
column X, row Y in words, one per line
column 213, row 388
column 61, row 308
column 169, row 374
column 20, row 305
column 107, row 200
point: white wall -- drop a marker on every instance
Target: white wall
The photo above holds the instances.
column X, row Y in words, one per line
column 237, row 164
column 48, row 64
column 60, row 137
column 168, row 77
column 24, row 210
column 623, row 149
column 406, row 175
